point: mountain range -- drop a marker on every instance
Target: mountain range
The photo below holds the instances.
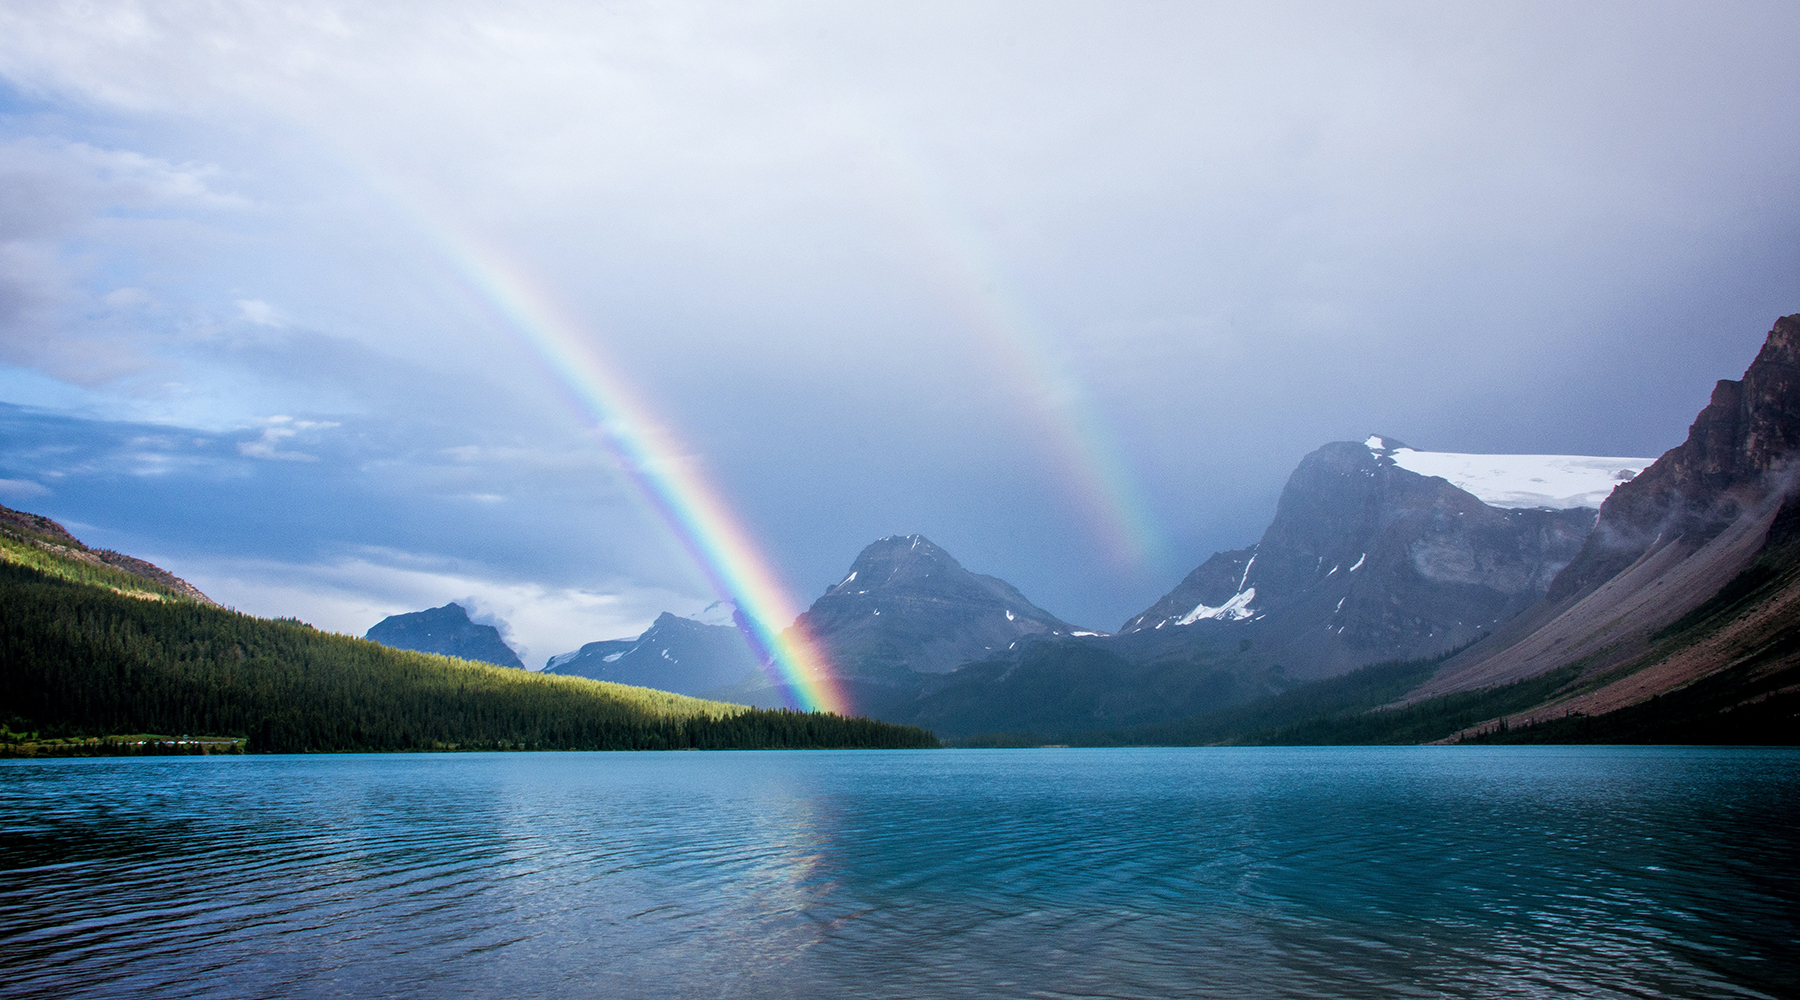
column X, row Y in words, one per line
column 1624, row 580
column 1366, row 561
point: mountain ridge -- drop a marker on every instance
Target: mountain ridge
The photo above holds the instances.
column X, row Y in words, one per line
column 50, row 536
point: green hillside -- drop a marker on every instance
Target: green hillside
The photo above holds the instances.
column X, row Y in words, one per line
column 90, row 651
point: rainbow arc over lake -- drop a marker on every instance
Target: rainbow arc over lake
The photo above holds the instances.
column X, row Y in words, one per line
column 669, row 477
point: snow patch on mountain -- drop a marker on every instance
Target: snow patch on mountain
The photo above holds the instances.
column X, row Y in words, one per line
column 1236, row 609
column 1558, row 482
column 562, row 658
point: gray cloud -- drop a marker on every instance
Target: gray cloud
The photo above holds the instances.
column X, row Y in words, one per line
column 879, row 266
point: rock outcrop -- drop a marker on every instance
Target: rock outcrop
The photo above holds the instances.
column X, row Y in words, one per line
column 1733, row 457
column 910, row 605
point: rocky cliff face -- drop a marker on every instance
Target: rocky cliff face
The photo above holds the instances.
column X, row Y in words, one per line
column 1686, row 528
column 1734, row 455
column 448, row 631
column 674, row 654
column 1366, row 561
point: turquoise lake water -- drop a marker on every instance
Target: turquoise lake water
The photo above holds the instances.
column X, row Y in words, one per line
column 1287, row 872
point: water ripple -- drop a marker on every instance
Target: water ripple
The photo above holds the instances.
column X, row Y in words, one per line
column 1422, row 872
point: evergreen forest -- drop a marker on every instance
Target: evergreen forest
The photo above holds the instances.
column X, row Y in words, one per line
column 90, row 651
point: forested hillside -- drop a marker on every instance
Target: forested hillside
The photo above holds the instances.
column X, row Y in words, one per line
column 89, row 651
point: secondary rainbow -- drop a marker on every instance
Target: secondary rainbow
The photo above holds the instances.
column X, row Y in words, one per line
column 975, row 287
column 674, row 483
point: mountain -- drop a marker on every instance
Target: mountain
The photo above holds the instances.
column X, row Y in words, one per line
column 906, row 613
column 49, row 536
column 1676, row 621
column 1377, row 553
column 683, row 655
column 446, row 631
column 907, row 604
column 1374, row 555
column 1688, row 582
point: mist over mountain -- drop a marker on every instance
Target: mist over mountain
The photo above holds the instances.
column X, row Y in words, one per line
column 445, row 630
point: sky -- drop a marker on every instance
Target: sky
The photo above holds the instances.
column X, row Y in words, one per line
column 340, row 310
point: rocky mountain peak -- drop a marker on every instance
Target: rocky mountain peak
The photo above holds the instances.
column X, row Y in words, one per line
column 900, row 562
column 446, row 631
column 907, row 605
column 1364, row 561
column 1736, row 453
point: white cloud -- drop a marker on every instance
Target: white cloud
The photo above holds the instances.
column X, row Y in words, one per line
column 259, row 312
column 352, row 594
column 22, row 489
column 280, row 430
column 71, row 215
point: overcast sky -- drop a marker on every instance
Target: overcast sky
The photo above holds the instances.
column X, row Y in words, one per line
column 1027, row 278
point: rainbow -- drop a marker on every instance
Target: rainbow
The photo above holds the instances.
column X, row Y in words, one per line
column 977, row 290
column 673, row 483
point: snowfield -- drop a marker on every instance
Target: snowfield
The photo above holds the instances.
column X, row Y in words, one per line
column 1556, row 481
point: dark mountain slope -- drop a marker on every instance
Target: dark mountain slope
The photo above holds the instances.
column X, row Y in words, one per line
column 446, row 631
column 84, row 652
column 1666, row 542
column 906, row 613
column 1728, row 671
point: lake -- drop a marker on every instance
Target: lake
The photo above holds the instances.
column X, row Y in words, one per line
column 1216, row 872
